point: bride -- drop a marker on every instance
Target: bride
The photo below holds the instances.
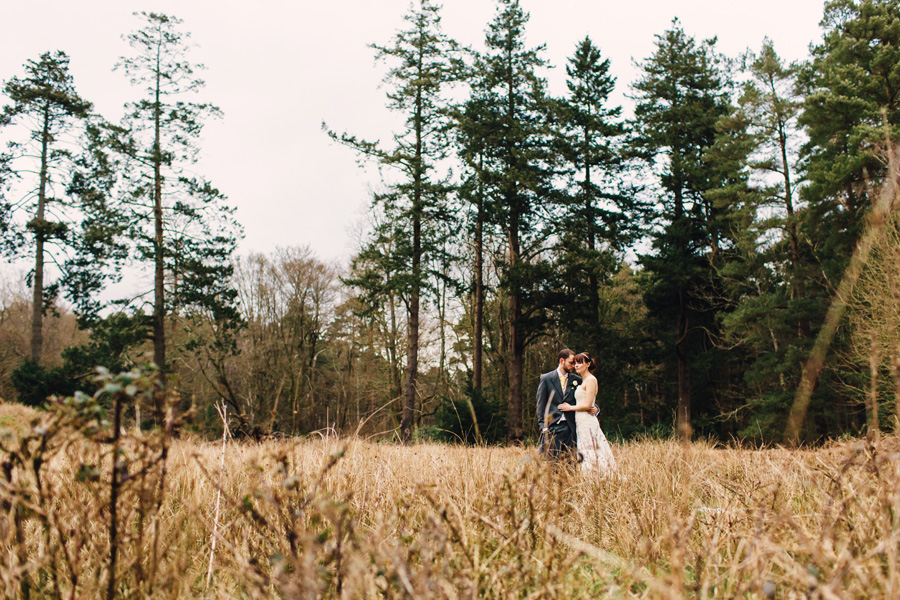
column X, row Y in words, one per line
column 596, row 455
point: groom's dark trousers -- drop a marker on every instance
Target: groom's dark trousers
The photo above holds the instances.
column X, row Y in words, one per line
column 557, row 441
column 557, row 428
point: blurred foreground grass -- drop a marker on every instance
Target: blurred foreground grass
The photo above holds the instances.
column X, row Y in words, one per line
column 15, row 419
column 347, row 518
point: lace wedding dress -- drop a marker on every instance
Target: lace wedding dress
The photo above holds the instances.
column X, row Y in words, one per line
column 596, row 455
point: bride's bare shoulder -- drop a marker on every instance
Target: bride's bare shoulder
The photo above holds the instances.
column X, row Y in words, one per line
column 591, row 380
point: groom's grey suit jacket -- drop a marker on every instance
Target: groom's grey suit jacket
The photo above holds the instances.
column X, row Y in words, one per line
column 550, row 395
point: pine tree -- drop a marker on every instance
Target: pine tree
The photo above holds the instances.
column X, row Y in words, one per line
column 851, row 88
column 471, row 136
column 772, row 105
column 180, row 223
column 45, row 104
column 680, row 99
column 514, row 128
column 422, row 66
column 851, row 108
column 601, row 212
column 767, row 326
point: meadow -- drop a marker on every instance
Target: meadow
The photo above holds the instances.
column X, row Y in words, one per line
column 328, row 517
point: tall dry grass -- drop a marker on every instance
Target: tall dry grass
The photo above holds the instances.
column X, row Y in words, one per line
column 347, row 518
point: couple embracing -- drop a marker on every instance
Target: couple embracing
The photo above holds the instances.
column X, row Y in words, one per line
column 567, row 414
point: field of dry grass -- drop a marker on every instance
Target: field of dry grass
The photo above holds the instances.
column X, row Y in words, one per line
column 347, row 518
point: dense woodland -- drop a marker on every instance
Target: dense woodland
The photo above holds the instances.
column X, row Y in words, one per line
column 730, row 255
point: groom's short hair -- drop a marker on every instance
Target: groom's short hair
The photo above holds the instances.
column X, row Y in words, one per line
column 565, row 353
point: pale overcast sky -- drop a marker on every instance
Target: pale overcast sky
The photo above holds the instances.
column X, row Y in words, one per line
column 278, row 68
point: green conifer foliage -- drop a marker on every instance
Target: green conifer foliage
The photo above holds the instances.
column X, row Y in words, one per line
column 767, row 328
column 423, row 63
column 680, row 99
column 513, row 131
column 45, row 106
column 850, row 112
column 179, row 222
column 601, row 210
column 852, row 87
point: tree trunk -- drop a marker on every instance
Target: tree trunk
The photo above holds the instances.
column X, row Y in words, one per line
column 478, row 334
column 683, row 420
column 442, row 325
column 515, row 428
column 159, row 307
column 683, row 416
column 412, row 348
column 514, row 425
column 412, row 335
column 593, row 281
column 40, row 229
column 799, row 285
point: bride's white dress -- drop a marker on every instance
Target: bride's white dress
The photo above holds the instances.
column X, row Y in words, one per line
column 596, row 455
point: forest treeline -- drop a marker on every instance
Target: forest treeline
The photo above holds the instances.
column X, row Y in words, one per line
column 696, row 249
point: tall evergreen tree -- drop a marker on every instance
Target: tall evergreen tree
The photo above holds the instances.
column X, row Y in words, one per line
column 739, row 271
column 772, row 105
column 852, row 85
column 514, row 125
column 422, row 66
column 767, row 327
column 601, row 214
column 46, row 105
column 851, row 107
column 180, row 223
column 470, row 140
column 680, row 99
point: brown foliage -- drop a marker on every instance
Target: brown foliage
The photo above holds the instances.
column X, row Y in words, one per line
column 60, row 332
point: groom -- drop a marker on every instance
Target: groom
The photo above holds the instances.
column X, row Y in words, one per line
column 556, row 387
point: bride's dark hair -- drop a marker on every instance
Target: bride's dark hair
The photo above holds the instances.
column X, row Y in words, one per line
column 584, row 357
